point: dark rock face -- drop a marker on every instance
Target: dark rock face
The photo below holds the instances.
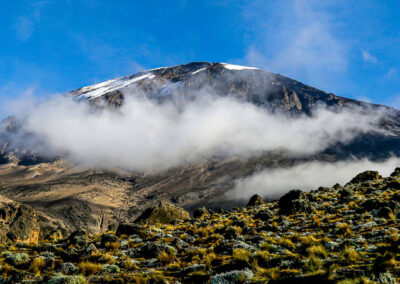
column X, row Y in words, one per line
column 293, row 202
column 164, row 214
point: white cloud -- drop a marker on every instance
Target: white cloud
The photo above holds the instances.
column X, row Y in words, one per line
column 147, row 136
column 272, row 183
column 368, row 57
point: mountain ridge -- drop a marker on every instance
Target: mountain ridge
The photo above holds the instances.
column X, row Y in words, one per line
column 179, row 73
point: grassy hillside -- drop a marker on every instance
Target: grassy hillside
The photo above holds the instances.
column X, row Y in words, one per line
column 343, row 234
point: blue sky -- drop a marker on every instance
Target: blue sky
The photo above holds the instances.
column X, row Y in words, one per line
column 345, row 47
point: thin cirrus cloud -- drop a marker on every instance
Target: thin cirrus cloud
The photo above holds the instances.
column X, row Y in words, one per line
column 368, row 57
column 24, row 28
column 392, row 73
column 301, row 40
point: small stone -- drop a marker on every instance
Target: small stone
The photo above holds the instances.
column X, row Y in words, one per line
column 68, row 268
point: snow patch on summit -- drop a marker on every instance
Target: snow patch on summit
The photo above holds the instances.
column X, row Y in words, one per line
column 197, row 71
column 238, row 67
column 100, row 89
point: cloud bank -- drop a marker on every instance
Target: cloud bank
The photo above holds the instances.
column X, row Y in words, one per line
column 145, row 135
column 272, row 183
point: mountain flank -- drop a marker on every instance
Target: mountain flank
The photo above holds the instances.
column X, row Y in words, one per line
column 340, row 234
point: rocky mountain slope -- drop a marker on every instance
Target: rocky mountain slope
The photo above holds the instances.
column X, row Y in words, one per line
column 341, row 234
column 98, row 200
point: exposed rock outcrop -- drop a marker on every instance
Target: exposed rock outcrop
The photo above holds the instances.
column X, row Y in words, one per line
column 164, row 214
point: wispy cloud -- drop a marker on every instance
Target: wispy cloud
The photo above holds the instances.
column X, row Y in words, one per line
column 392, row 73
column 18, row 104
column 368, row 57
column 25, row 24
column 300, row 39
column 24, row 28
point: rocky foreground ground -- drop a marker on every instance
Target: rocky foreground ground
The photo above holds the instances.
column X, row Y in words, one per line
column 343, row 234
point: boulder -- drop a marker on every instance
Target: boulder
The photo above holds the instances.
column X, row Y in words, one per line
column 366, row 176
column 255, row 200
column 68, row 268
column 128, row 229
column 108, row 238
column 200, row 212
column 337, row 186
column 295, row 201
column 230, row 233
column 24, row 226
column 79, row 237
column 264, row 215
column 153, row 249
column 91, row 249
column 163, row 214
column 396, row 173
column 345, row 194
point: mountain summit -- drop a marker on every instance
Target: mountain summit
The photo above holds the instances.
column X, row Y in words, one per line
column 251, row 84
